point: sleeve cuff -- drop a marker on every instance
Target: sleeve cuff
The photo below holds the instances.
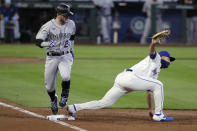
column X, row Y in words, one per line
column 153, row 56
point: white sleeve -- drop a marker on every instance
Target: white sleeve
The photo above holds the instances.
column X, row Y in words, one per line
column 74, row 29
column 73, row 34
column 43, row 32
column 157, row 58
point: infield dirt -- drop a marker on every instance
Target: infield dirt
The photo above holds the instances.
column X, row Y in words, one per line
column 97, row 120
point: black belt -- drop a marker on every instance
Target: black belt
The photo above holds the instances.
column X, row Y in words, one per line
column 129, row 70
column 58, row 53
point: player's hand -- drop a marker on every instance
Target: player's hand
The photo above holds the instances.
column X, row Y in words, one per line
column 151, row 113
column 52, row 43
column 155, row 42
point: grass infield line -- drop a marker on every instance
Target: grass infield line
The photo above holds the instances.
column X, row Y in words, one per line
column 41, row 116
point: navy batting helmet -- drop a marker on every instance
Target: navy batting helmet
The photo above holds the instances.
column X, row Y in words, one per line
column 64, row 10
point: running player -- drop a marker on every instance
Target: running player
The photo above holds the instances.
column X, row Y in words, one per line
column 57, row 36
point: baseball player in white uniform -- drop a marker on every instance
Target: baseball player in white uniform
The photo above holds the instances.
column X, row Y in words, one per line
column 105, row 18
column 57, row 35
column 140, row 77
column 147, row 28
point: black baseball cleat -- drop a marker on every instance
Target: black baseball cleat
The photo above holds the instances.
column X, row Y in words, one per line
column 63, row 102
column 54, row 107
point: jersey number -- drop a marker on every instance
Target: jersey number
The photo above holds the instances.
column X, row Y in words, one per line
column 66, row 43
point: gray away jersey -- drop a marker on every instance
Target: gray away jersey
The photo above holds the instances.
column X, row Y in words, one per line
column 59, row 33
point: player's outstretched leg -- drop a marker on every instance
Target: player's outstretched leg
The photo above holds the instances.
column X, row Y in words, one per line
column 54, row 107
column 65, row 93
column 110, row 98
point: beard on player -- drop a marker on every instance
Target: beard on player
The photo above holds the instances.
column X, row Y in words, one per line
column 61, row 19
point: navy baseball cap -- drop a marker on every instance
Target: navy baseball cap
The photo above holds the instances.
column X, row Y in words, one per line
column 167, row 54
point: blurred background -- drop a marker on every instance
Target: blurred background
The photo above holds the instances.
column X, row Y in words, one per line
column 103, row 21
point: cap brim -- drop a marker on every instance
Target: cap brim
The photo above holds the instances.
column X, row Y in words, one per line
column 172, row 59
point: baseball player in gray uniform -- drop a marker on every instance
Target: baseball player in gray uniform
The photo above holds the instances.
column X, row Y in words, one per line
column 140, row 77
column 105, row 18
column 57, row 35
column 147, row 28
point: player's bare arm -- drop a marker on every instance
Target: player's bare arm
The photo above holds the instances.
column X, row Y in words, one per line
column 150, row 103
column 152, row 47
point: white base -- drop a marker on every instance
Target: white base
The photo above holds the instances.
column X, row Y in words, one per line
column 57, row 117
column 60, row 117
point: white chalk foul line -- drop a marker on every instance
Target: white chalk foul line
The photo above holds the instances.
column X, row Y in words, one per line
column 41, row 116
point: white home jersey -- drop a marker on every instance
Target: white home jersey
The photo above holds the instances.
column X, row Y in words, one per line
column 52, row 31
column 148, row 67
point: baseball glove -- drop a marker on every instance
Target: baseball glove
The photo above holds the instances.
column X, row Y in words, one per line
column 161, row 35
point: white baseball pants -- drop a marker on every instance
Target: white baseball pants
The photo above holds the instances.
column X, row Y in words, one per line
column 125, row 82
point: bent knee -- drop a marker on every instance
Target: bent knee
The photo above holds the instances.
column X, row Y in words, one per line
column 158, row 86
column 49, row 88
column 66, row 78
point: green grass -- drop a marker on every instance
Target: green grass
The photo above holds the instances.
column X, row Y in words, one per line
column 93, row 73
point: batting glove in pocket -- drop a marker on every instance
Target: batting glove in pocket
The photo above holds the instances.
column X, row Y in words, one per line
column 52, row 43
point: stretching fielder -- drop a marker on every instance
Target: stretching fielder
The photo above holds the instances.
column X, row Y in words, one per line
column 140, row 77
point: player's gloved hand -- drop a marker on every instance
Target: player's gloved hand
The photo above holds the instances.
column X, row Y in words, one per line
column 52, row 43
column 14, row 18
column 156, row 39
column 6, row 19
